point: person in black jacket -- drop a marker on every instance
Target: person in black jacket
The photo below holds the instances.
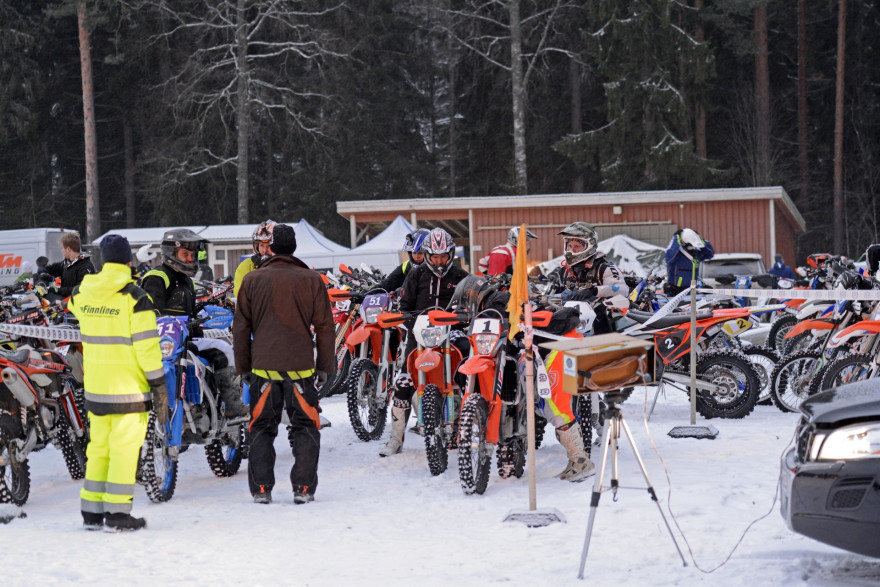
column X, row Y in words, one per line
column 413, row 247
column 73, row 268
column 429, row 285
column 172, row 291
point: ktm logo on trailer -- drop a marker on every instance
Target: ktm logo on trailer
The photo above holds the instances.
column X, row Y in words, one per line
column 9, row 260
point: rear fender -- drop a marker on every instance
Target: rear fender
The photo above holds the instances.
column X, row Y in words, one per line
column 806, row 325
column 857, row 330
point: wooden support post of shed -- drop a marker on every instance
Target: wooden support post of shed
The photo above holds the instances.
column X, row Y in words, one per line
column 413, row 219
column 352, row 228
column 772, row 219
column 471, row 240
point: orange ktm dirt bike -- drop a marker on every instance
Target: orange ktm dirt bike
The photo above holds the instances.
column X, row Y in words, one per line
column 346, row 309
column 40, row 404
column 494, row 408
column 437, row 400
column 368, row 389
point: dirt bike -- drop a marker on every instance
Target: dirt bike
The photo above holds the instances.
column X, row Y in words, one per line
column 437, row 400
column 494, row 408
column 862, row 362
column 41, row 403
column 800, row 374
column 728, row 385
column 346, row 307
column 372, row 373
column 196, row 416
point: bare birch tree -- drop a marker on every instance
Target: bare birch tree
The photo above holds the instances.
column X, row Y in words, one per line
column 247, row 56
column 514, row 35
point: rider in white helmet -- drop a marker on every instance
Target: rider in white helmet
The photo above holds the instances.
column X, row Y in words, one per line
column 683, row 256
column 430, row 284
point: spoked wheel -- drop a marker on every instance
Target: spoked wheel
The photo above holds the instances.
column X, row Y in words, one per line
column 73, row 449
column 336, row 383
column 780, row 327
column 736, row 381
column 791, row 378
column 225, row 452
column 367, row 400
column 474, row 458
column 435, row 430
column 847, row 369
column 764, row 360
column 158, row 470
column 15, row 477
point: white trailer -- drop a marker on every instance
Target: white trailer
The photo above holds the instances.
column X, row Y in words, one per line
column 27, row 244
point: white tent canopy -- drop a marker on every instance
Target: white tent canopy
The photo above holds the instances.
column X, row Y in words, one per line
column 383, row 250
column 630, row 255
column 145, row 236
column 315, row 249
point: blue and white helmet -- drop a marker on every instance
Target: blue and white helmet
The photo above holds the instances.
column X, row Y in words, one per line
column 414, row 242
column 438, row 242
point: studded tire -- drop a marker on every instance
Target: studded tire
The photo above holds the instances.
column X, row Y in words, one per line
column 474, row 461
column 778, row 329
column 158, row 472
column 224, row 454
column 435, row 431
column 73, row 450
column 764, row 360
column 855, row 367
column 367, row 401
column 511, row 458
column 15, row 480
column 733, row 371
column 337, row 382
column 791, row 379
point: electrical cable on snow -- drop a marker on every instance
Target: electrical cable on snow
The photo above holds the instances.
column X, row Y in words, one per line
column 669, row 497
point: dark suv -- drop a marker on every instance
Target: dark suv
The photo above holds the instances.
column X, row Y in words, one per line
column 830, row 486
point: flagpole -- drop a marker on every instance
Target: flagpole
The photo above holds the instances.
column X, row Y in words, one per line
column 530, row 402
column 518, row 308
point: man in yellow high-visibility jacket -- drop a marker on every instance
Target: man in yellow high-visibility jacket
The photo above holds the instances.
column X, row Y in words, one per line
column 123, row 377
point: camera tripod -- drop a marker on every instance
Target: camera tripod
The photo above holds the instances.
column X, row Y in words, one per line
column 614, row 423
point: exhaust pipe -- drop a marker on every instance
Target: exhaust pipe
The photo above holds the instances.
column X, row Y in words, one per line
column 21, row 390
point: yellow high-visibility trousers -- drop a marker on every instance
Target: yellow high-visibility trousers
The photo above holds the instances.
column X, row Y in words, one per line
column 114, row 446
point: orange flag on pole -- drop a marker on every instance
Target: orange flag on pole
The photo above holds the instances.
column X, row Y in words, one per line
column 519, row 287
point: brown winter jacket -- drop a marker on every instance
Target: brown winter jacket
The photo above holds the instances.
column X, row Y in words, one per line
column 277, row 304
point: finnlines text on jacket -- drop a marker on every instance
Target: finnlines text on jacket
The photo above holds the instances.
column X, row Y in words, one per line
column 100, row 310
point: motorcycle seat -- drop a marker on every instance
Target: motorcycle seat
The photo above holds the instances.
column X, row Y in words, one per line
column 673, row 319
column 19, row 356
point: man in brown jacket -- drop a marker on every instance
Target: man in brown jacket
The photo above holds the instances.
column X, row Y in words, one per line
column 278, row 305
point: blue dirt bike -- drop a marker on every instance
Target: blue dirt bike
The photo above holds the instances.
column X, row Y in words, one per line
column 196, row 413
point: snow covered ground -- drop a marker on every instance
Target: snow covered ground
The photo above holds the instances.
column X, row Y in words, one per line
column 388, row 522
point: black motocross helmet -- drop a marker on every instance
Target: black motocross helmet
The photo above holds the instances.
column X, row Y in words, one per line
column 181, row 238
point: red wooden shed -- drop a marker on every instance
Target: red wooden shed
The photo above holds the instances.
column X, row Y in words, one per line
column 760, row 220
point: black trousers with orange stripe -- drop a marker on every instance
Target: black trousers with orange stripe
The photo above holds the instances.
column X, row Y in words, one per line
column 300, row 400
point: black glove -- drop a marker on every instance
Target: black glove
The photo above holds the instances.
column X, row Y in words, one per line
column 195, row 331
column 584, row 295
column 160, row 399
column 320, row 378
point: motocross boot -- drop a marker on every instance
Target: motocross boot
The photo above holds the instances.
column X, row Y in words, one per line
column 579, row 465
column 93, row 521
column 230, row 393
column 123, row 523
column 399, row 417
